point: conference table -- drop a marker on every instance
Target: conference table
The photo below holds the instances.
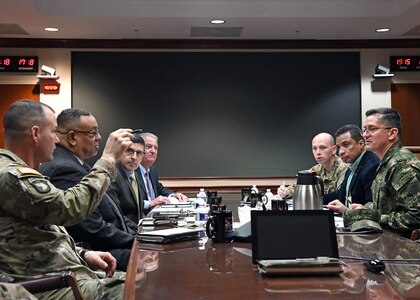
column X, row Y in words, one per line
column 202, row 269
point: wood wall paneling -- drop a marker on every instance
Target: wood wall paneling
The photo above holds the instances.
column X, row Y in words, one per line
column 12, row 92
column 406, row 99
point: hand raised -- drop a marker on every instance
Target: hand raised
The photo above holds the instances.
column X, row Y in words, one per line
column 116, row 144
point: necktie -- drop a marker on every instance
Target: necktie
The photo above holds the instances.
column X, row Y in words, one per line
column 117, row 211
column 150, row 186
column 348, row 194
column 135, row 187
column 86, row 166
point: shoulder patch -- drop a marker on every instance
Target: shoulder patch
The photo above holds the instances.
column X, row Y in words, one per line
column 41, row 186
column 28, row 171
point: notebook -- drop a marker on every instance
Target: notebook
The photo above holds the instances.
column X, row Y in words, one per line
column 295, row 242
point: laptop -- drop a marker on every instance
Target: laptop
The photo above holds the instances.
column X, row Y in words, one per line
column 297, row 241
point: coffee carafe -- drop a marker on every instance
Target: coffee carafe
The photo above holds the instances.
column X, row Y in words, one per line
column 309, row 191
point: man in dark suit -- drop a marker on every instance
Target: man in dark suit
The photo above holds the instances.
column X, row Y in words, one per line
column 105, row 228
column 356, row 187
column 152, row 191
column 126, row 188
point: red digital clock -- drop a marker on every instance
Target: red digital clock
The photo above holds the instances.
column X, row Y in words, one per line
column 404, row 63
column 19, row 64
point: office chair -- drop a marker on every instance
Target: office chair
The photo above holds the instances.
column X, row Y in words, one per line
column 48, row 283
column 415, row 235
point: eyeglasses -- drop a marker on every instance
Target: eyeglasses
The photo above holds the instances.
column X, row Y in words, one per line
column 372, row 130
column 130, row 152
column 148, row 147
column 91, row 133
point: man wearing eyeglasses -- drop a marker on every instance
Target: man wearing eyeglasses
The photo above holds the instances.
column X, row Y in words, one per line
column 152, row 191
column 105, row 229
column 126, row 188
column 396, row 188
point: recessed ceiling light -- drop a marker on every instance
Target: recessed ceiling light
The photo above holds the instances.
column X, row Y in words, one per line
column 382, row 30
column 217, row 21
column 51, row 29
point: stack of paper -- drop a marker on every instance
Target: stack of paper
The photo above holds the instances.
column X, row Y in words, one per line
column 169, row 235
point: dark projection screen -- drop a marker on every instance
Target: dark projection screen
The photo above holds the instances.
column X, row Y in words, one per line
column 222, row 113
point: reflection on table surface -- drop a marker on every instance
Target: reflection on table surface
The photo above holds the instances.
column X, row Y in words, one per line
column 201, row 269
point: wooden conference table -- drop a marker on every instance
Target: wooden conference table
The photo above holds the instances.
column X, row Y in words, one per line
column 202, row 269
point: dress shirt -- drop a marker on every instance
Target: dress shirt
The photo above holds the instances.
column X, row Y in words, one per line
column 146, row 202
column 353, row 167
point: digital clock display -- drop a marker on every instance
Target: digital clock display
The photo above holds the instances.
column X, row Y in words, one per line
column 404, row 63
column 18, row 63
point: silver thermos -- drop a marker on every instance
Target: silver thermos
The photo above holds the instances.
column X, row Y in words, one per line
column 309, row 191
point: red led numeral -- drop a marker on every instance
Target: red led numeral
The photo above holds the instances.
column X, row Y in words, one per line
column 51, row 87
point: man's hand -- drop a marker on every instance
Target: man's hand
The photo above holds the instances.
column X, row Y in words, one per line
column 283, row 191
column 117, row 143
column 159, row 200
column 181, row 197
column 356, row 206
column 337, row 206
column 101, row 260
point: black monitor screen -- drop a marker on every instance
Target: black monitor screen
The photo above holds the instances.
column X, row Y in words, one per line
column 293, row 234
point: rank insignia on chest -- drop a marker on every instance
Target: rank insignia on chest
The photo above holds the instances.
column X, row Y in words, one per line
column 41, row 186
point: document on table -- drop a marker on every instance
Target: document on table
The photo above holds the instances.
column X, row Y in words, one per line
column 339, row 223
column 169, row 235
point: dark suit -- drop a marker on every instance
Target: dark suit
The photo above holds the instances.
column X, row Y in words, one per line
column 104, row 229
column 360, row 185
column 159, row 189
column 122, row 190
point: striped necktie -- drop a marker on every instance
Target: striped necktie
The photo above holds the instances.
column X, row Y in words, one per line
column 150, row 186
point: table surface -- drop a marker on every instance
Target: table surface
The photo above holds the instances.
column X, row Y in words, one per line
column 201, row 269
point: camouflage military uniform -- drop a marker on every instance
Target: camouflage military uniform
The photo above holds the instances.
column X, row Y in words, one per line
column 396, row 190
column 11, row 291
column 332, row 179
column 32, row 239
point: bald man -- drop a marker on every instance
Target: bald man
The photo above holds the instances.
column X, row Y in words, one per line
column 330, row 167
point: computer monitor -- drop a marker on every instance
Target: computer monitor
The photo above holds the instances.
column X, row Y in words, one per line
column 293, row 234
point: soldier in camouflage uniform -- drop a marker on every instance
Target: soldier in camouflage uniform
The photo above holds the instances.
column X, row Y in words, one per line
column 12, row 291
column 32, row 211
column 396, row 188
column 330, row 167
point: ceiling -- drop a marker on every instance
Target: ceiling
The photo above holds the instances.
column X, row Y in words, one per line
column 183, row 19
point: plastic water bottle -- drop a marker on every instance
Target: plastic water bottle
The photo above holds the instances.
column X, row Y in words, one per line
column 269, row 196
column 201, row 199
column 202, row 213
column 254, row 189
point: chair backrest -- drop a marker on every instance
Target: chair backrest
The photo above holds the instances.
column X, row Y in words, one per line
column 50, row 282
column 415, row 235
